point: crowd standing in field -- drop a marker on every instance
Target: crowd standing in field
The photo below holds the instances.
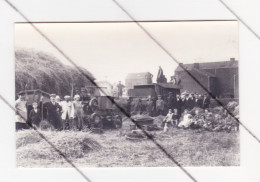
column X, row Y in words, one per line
column 61, row 115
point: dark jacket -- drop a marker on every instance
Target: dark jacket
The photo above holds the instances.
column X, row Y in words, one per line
column 178, row 104
column 183, row 105
column 189, row 104
column 35, row 117
column 52, row 113
column 198, row 103
column 205, row 102
column 170, row 102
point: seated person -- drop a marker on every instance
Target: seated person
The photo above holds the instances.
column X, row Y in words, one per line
column 198, row 120
column 231, row 123
column 186, row 121
column 168, row 119
column 219, row 123
column 209, row 122
column 207, row 113
column 228, row 123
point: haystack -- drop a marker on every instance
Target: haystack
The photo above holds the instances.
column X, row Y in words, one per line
column 71, row 144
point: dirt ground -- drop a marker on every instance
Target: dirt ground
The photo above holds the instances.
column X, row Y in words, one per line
column 112, row 149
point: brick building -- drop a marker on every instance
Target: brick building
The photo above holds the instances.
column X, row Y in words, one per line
column 220, row 78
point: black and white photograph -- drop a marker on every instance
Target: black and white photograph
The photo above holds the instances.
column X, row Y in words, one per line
column 117, row 99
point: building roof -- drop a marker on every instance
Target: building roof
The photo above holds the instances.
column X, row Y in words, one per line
column 210, row 65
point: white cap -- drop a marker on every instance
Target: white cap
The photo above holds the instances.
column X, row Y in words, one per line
column 76, row 96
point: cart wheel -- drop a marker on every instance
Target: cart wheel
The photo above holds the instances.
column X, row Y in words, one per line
column 96, row 121
column 93, row 104
column 117, row 122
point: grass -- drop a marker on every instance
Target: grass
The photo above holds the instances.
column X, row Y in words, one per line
column 111, row 149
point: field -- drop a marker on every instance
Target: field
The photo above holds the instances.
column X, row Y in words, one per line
column 111, row 149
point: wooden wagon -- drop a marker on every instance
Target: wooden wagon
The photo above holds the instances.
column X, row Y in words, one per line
column 34, row 96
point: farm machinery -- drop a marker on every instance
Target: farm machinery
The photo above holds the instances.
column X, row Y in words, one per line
column 98, row 108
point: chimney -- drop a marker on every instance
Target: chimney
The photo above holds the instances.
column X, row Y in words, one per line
column 232, row 59
column 196, row 65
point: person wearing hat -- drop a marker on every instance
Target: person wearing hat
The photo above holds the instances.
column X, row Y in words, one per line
column 160, row 105
column 51, row 110
column 197, row 101
column 78, row 113
column 67, row 113
column 21, row 113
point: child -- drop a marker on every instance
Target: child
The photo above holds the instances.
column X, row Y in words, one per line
column 35, row 115
column 168, row 121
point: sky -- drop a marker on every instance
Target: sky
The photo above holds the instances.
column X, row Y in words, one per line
column 112, row 50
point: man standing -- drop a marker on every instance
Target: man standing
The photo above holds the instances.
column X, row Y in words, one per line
column 160, row 105
column 205, row 102
column 138, row 106
column 120, row 89
column 170, row 101
column 67, row 113
column 197, row 101
column 21, row 113
column 78, row 112
column 183, row 103
column 178, row 104
column 150, row 106
column 52, row 110
column 128, row 106
column 190, row 102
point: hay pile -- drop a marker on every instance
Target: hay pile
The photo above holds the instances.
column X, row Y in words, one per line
column 40, row 70
column 72, row 144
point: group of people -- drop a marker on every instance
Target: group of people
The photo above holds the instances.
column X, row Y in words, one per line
column 181, row 102
column 201, row 119
column 60, row 114
column 188, row 110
